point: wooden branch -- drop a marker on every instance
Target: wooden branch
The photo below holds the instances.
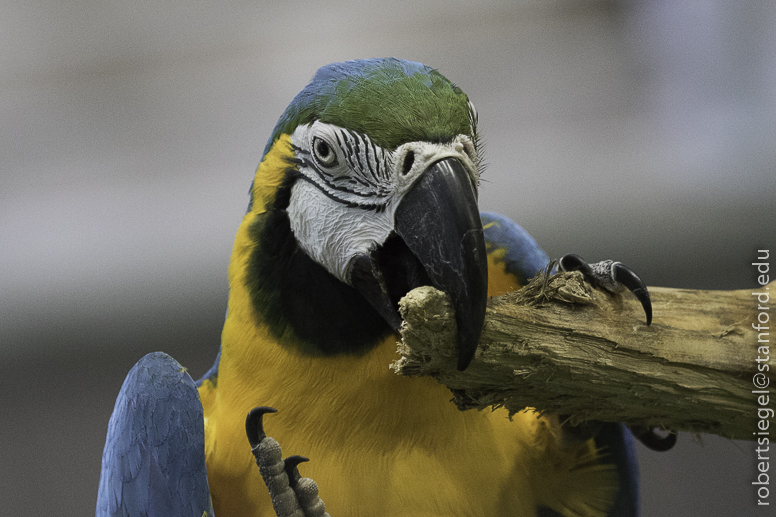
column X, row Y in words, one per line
column 561, row 346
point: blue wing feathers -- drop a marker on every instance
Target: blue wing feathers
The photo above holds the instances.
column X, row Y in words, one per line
column 153, row 463
column 523, row 257
column 617, row 444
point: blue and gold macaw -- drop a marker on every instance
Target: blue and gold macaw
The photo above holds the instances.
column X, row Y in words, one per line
column 367, row 189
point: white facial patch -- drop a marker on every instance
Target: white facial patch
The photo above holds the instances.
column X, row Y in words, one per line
column 333, row 233
column 344, row 203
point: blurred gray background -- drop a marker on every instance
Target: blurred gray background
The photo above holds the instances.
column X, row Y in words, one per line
column 643, row 131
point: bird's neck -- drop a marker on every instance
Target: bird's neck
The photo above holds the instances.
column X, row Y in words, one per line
column 259, row 367
column 263, row 363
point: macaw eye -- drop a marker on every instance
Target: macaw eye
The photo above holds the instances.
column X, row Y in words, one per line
column 324, row 153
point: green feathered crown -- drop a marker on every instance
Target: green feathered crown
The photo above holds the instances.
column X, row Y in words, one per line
column 393, row 101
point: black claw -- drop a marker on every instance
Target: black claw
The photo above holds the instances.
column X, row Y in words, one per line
column 573, row 262
column 291, row 469
column 621, row 274
column 253, row 424
column 654, row 441
column 625, row 275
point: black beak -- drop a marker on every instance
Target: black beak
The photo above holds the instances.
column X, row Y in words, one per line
column 439, row 242
column 440, row 223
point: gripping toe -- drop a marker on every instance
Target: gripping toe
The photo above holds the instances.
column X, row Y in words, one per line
column 292, row 494
column 612, row 276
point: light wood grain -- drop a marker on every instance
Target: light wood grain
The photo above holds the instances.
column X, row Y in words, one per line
column 561, row 346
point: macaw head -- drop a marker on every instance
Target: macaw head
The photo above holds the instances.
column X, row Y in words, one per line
column 368, row 189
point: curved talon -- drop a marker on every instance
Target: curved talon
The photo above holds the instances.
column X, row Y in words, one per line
column 627, row 277
column 654, row 441
column 254, row 427
column 618, row 273
column 573, row 262
column 291, row 469
column 291, row 494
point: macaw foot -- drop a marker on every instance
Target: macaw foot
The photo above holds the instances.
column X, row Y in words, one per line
column 292, row 495
column 652, row 440
column 612, row 276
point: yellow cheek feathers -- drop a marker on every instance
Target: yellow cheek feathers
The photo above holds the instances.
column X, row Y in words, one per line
column 270, row 174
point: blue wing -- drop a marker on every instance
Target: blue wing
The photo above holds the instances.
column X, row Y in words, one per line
column 618, row 446
column 153, row 463
column 514, row 258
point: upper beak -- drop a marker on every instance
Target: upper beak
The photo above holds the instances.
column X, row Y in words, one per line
column 440, row 243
